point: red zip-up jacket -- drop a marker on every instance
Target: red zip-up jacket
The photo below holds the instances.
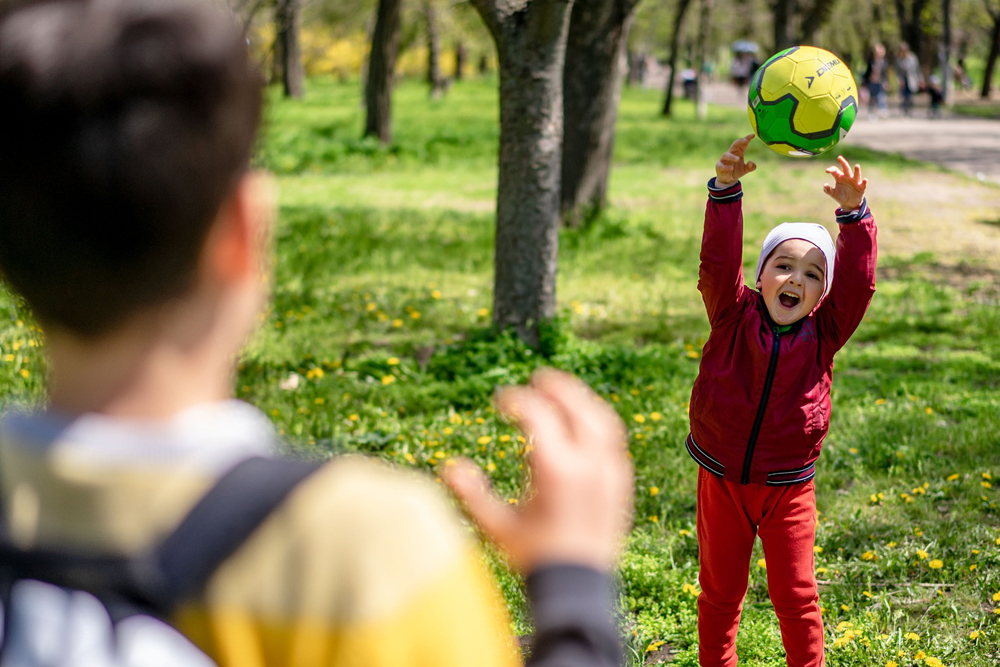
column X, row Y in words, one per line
column 760, row 407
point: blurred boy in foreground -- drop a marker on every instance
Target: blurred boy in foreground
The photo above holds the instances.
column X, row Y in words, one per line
column 131, row 224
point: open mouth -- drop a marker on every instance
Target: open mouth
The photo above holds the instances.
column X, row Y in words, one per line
column 788, row 300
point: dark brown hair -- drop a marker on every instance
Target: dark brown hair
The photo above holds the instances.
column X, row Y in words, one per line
column 124, row 125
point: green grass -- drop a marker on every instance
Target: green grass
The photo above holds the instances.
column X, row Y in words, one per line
column 382, row 295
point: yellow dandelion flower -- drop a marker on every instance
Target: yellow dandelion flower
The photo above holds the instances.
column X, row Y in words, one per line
column 821, row 570
column 320, row 401
column 996, row 597
column 844, row 607
column 397, row 323
column 655, row 646
column 484, row 440
column 879, row 401
column 936, row 564
column 883, row 637
column 639, row 419
column 388, row 379
column 447, row 430
column 491, row 467
column 918, row 532
column 655, row 416
column 392, row 361
column 973, row 567
column 817, row 550
column 762, row 563
column 953, row 477
column 892, row 663
column 25, row 373
column 974, row 634
column 867, row 594
column 654, row 490
column 929, row 410
column 912, row 636
column 986, row 475
column 415, row 314
column 654, row 519
column 919, row 655
column 892, row 545
column 684, row 533
column 436, row 294
column 931, row 661
column 853, row 450
column 869, row 555
column 921, row 554
column 512, row 501
column 353, row 417
column 504, row 438
column 986, row 485
column 483, row 312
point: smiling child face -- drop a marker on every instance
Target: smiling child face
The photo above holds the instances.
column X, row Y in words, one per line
column 792, row 280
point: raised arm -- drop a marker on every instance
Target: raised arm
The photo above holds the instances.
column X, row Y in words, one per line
column 720, row 275
column 854, row 267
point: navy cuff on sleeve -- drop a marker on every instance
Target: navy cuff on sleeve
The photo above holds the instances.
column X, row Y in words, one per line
column 727, row 195
column 847, row 217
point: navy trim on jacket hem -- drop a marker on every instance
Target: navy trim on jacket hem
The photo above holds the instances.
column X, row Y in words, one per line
column 727, row 195
column 847, row 217
column 702, row 458
column 786, row 477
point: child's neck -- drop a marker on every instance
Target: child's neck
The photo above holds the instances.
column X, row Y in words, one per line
column 143, row 371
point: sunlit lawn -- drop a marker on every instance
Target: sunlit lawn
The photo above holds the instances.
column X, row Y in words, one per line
column 382, row 300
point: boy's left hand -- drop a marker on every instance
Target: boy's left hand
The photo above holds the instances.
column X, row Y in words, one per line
column 849, row 190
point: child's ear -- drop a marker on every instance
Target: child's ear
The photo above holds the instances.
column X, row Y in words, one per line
column 240, row 236
column 758, row 284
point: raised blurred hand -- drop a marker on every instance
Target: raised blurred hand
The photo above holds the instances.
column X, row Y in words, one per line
column 578, row 505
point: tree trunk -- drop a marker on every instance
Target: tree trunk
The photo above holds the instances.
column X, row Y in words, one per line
column 909, row 25
column 675, row 37
column 701, row 104
column 434, row 78
column 460, row 56
column 592, row 85
column 991, row 60
column 783, row 12
column 815, row 18
column 531, row 45
column 381, row 64
column 290, row 50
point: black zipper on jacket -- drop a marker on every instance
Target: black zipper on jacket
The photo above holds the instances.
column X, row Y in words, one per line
column 775, row 348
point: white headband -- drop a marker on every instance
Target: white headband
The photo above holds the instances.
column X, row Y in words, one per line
column 807, row 231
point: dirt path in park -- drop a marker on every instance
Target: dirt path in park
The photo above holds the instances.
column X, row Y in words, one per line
column 953, row 214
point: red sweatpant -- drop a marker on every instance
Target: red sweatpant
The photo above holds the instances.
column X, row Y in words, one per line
column 729, row 518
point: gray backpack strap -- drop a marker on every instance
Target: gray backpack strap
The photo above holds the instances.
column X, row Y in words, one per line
column 217, row 525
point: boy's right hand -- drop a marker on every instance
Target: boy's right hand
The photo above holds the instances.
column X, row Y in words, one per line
column 579, row 502
column 731, row 167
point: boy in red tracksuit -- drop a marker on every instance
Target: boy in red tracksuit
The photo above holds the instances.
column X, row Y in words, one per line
column 760, row 407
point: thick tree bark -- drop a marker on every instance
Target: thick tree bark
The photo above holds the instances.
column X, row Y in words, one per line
column 783, row 13
column 815, row 18
column 434, row 78
column 592, row 85
column 675, row 36
column 290, row 51
column 909, row 26
column 531, row 43
column 381, row 65
column 991, row 60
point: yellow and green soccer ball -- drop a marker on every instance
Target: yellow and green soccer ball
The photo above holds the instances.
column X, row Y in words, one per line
column 802, row 101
